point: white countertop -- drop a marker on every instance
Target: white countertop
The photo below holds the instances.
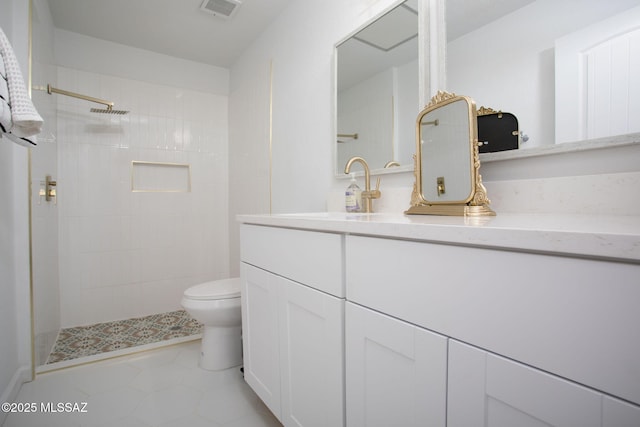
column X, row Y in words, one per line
column 599, row 236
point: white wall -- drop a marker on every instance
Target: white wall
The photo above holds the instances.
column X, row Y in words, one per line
column 127, row 254
column 249, row 152
column 15, row 360
column 15, row 336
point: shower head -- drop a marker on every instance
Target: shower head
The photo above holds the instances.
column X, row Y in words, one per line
column 108, row 110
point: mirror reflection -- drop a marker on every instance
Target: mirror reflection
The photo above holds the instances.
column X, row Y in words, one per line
column 565, row 68
column 446, row 141
column 525, row 60
column 377, row 90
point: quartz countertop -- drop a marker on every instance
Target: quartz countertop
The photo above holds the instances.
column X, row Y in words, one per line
column 614, row 237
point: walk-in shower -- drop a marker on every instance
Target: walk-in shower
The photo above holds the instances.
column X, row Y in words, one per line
column 141, row 207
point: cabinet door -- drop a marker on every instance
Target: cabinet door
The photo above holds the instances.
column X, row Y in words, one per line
column 396, row 373
column 616, row 413
column 487, row 390
column 311, row 356
column 260, row 335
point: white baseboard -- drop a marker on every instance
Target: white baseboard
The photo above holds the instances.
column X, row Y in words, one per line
column 21, row 376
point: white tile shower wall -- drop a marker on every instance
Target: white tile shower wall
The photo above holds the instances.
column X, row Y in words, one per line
column 122, row 253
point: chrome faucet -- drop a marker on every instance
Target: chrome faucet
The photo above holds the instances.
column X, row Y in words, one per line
column 367, row 195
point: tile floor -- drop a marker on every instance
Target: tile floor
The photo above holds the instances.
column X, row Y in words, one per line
column 162, row 387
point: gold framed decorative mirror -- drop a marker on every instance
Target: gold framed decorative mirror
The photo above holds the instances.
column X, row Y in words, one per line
column 447, row 162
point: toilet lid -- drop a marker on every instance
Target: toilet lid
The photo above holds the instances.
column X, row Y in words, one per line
column 216, row 289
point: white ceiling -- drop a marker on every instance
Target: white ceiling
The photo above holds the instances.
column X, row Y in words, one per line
column 177, row 28
column 181, row 29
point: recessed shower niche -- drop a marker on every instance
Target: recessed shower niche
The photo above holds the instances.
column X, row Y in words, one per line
column 160, row 177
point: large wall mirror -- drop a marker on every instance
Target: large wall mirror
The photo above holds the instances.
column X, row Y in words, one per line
column 566, row 69
column 377, row 90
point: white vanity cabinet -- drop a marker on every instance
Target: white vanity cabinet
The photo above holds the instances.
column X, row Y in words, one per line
column 395, row 372
column 375, row 320
column 293, row 323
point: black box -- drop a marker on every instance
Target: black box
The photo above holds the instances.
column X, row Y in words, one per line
column 498, row 132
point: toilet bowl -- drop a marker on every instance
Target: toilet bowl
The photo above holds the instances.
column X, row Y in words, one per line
column 216, row 305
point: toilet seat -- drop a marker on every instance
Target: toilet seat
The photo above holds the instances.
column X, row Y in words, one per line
column 215, row 290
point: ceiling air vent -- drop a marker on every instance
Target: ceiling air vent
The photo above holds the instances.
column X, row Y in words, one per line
column 224, row 9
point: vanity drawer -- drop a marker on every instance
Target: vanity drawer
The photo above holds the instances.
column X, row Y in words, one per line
column 308, row 257
column 576, row 318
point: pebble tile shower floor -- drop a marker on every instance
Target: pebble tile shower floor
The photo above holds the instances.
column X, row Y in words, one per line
column 83, row 341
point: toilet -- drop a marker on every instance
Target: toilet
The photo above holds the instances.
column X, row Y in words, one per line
column 216, row 305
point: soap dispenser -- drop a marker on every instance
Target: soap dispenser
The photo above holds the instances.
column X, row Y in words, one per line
column 353, row 196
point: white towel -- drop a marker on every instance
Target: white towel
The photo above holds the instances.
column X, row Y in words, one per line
column 3, row 72
column 26, row 120
column 25, row 142
column 5, row 111
column 5, row 116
